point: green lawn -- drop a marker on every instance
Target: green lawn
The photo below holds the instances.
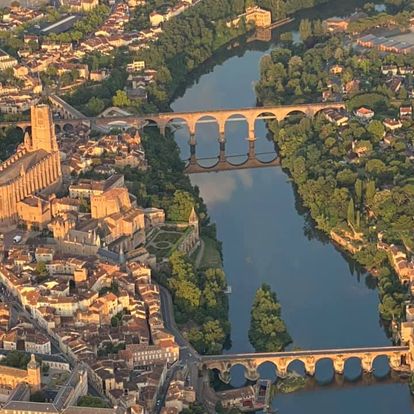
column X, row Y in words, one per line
column 211, row 257
column 160, row 253
column 172, row 237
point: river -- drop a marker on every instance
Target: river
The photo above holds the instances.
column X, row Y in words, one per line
column 266, row 238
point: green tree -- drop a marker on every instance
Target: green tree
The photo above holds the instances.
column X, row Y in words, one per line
column 267, row 331
column 90, row 401
column 95, row 105
column 181, row 207
column 16, row 359
column 41, row 269
column 305, row 30
column 121, row 99
column 351, row 213
column 376, row 129
column 358, row 190
column 370, row 192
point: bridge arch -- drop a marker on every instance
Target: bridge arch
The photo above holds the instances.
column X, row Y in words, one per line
column 265, row 114
column 353, row 368
column 150, row 122
column 299, row 366
column 296, row 115
column 179, row 122
column 19, row 129
column 236, row 118
column 267, row 369
column 208, row 118
column 68, row 127
column 320, row 111
column 265, row 146
column 381, row 366
column 324, row 370
column 239, row 373
column 184, row 138
column 235, row 136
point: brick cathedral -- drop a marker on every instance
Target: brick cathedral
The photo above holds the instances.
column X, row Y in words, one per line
column 34, row 168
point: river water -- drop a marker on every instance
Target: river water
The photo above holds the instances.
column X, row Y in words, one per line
column 266, row 238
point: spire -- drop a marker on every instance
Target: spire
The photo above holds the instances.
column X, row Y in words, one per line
column 192, row 218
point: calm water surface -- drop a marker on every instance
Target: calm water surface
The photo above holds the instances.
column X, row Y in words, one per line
column 266, row 239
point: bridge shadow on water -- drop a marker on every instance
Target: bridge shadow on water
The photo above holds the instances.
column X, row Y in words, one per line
column 315, row 383
column 230, row 162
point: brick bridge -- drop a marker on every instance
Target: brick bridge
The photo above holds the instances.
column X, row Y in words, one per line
column 397, row 357
column 70, row 118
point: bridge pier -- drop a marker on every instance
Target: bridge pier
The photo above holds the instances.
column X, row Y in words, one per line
column 192, row 140
column 366, row 364
column 339, row 365
column 193, row 157
column 221, row 121
column 310, row 366
column 162, row 126
column 252, row 374
column 310, row 370
column 191, row 127
column 222, row 155
column 222, row 137
column 225, row 376
column 252, row 150
column 282, row 368
column 395, row 361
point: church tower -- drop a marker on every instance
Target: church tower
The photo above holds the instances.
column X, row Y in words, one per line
column 43, row 135
column 193, row 221
column 34, row 376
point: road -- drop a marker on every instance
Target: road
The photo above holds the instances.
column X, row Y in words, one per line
column 200, row 254
column 317, row 352
column 189, row 357
column 187, row 352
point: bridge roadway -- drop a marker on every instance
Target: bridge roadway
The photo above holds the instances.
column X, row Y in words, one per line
column 397, row 356
column 340, row 351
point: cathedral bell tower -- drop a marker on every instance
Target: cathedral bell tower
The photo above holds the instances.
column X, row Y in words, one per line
column 43, row 135
column 33, row 374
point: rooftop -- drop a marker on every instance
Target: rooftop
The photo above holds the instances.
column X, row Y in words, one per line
column 26, row 162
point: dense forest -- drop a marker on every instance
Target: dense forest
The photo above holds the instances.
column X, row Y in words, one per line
column 356, row 180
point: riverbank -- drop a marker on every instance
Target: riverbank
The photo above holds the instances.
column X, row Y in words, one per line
column 345, row 174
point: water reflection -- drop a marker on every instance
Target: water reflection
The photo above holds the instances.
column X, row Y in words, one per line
column 219, row 188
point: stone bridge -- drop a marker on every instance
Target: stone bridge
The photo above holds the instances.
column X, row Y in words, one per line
column 397, row 357
column 65, row 110
column 70, row 118
column 220, row 116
